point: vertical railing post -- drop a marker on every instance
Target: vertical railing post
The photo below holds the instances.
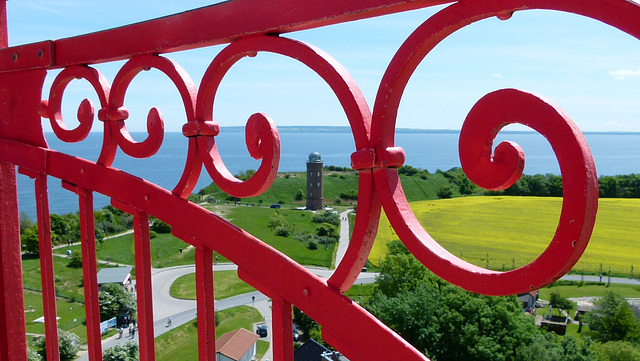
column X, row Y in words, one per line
column 142, row 248
column 89, row 269
column 205, row 304
column 13, row 343
column 282, row 335
column 46, row 267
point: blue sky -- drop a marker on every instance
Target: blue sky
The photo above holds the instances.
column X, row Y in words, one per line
column 591, row 70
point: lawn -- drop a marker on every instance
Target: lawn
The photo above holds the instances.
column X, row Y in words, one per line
column 165, row 251
column 225, row 283
column 574, row 290
column 506, row 232
column 71, row 314
column 68, row 281
column 255, row 221
column 181, row 343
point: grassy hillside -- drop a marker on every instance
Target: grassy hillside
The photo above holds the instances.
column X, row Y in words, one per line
column 255, row 221
column 419, row 186
column 503, row 232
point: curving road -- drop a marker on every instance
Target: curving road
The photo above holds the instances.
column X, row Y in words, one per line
column 183, row 311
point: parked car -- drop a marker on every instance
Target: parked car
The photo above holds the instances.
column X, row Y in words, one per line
column 262, row 331
column 296, row 335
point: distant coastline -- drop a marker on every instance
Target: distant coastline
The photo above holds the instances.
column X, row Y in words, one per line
column 346, row 129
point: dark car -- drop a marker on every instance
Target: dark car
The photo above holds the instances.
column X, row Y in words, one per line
column 262, row 330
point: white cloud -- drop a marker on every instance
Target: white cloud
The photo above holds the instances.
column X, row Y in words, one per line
column 623, row 74
column 496, row 75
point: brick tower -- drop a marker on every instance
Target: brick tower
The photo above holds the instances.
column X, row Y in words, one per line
column 314, row 181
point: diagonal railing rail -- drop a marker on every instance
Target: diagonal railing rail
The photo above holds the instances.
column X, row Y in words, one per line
column 22, row 144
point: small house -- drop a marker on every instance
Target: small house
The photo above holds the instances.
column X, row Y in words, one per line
column 117, row 275
column 238, row 345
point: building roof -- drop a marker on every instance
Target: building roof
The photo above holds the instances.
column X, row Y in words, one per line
column 312, row 351
column 114, row 275
column 236, row 343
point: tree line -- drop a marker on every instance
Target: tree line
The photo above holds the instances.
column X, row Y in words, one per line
column 66, row 228
column 538, row 185
column 446, row 322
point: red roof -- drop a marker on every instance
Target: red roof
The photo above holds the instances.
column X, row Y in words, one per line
column 236, row 343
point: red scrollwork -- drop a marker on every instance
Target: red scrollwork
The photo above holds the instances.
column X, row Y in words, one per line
column 115, row 113
column 492, row 171
column 263, row 143
column 52, row 108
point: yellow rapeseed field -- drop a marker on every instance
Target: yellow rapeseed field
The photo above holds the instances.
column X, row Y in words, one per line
column 506, row 232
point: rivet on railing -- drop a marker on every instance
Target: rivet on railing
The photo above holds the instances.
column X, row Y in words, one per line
column 43, row 109
column 505, row 15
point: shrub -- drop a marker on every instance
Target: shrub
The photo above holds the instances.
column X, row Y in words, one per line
column 160, row 227
column 75, row 261
column 33, row 355
column 67, row 343
column 126, row 352
column 326, row 217
column 312, row 245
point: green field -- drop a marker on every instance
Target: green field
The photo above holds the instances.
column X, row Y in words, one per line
column 225, row 283
column 71, row 314
column 255, row 221
column 165, row 251
column 503, row 232
column 181, row 343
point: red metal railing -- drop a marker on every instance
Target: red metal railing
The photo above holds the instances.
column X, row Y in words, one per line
column 22, row 144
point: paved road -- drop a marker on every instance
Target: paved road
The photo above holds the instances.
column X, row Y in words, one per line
column 578, row 278
column 343, row 242
column 183, row 311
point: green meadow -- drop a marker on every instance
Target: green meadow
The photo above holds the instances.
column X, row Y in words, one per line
column 225, row 283
column 501, row 233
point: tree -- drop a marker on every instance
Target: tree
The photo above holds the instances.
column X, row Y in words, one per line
column 113, row 300
column 617, row 351
column 67, row 343
column 126, row 352
column 613, row 320
column 559, row 302
column 448, row 323
column 299, row 195
column 327, row 230
column 30, row 240
column 25, row 222
column 444, row 192
column 160, row 226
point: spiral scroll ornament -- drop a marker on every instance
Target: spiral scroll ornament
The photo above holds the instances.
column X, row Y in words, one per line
column 52, row 108
column 492, row 169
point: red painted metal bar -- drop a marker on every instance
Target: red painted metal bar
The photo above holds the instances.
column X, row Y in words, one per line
column 13, row 343
column 225, row 22
column 143, row 279
column 376, row 156
column 89, row 269
column 205, row 304
column 282, row 322
column 46, row 268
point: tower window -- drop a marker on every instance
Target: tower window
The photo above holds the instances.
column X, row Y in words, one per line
column 318, row 185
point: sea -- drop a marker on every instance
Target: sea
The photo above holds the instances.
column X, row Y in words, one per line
column 614, row 154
